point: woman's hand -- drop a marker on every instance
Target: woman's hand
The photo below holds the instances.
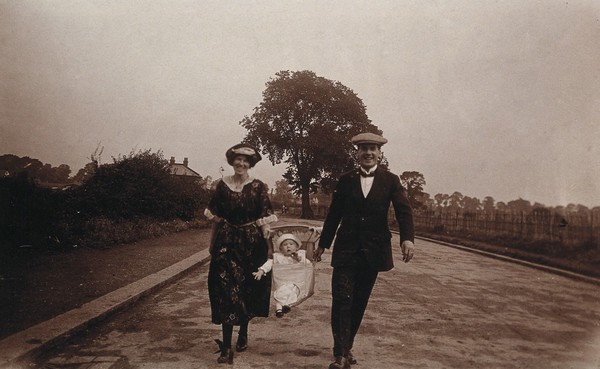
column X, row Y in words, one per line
column 212, row 217
column 266, row 231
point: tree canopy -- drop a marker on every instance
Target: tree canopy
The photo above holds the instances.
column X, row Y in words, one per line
column 12, row 165
column 306, row 121
column 414, row 182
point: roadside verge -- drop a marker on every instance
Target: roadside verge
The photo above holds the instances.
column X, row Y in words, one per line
column 25, row 345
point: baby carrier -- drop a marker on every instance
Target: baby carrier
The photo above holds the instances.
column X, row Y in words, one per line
column 300, row 275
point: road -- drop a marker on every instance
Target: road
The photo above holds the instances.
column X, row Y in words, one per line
column 447, row 308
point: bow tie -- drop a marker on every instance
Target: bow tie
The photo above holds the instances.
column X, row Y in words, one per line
column 363, row 174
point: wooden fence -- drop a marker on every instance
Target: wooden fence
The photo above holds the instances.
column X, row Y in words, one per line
column 320, row 211
column 572, row 230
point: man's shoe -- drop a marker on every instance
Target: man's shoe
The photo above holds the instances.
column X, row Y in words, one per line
column 340, row 363
column 242, row 343
column 286, row 309
column 351, row 358
column 279, row 314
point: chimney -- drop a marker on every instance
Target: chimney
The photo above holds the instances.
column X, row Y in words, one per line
column 185, row 162
column 172, row 161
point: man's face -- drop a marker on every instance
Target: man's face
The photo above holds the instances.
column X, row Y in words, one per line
column 368, row 155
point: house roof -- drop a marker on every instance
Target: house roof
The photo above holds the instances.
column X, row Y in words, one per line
column 182, row 170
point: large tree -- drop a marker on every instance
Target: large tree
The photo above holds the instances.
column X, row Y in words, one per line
column 471, row 204
column 520, row 205
column 283, row 193
column 441, row 200
column 456, row 201
column 488, row 204
column 414, row 182
column 306, row 121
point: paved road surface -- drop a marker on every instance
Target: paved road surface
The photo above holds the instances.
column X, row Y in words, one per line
column 445, row 309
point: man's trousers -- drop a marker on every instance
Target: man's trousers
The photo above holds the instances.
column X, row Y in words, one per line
column 351, row 288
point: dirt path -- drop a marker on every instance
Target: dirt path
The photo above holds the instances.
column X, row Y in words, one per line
column 445, row 309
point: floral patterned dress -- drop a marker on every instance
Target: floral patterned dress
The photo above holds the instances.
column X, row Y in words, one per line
column 238, row 249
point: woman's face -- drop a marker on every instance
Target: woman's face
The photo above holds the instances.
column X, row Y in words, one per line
column 241, row 164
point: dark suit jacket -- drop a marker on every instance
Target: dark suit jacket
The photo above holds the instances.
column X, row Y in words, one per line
column 364, row 230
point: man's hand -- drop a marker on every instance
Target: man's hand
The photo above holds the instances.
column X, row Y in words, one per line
column 408, row 250
column 317, row 254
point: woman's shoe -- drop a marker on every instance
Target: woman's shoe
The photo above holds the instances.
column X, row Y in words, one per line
column 242, row 343
column 226, row 353
column 226, row 357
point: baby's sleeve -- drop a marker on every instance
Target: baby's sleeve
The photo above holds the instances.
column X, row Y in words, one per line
column 267, row 266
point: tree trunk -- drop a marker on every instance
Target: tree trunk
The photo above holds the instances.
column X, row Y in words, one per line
column 307, row 212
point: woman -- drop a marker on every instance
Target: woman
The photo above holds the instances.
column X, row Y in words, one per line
column 242, row 213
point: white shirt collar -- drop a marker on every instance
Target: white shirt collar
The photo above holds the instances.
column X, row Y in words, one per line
column 374, row 168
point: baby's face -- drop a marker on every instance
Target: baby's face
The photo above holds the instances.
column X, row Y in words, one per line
column 288, row 247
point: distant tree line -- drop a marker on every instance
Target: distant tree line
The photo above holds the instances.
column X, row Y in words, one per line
column 115, row 202
column 12, row 166
column 414, row 183
column 459, row 202
column 520, row 223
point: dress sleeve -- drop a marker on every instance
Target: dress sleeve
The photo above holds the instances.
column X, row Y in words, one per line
column 214, row 205
column 267, row 216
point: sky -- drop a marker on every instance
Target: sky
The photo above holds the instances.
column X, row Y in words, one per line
column 487, row 98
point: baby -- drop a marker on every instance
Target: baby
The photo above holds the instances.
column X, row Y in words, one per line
column 289, row 252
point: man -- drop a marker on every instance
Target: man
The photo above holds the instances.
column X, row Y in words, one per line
column 363, row 242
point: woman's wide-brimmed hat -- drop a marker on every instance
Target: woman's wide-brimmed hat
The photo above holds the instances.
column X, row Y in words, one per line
column 287, row 236
column 243, row 149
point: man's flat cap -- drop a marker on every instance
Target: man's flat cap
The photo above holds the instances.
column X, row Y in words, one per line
column 368, row 138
